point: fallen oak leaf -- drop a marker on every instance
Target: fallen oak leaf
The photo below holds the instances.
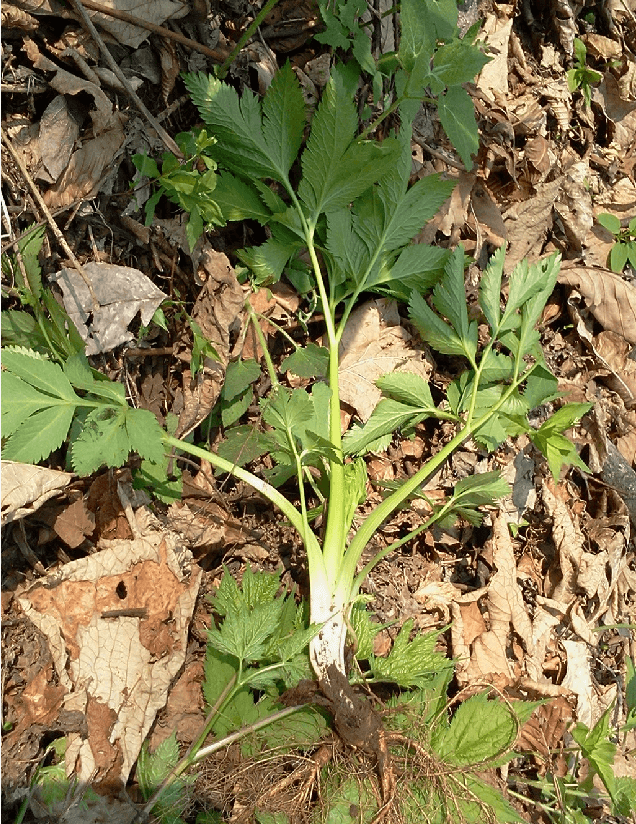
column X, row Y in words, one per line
column 609, row 298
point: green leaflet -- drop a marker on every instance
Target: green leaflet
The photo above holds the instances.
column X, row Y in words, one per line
column 480, row 730
column 264, row 141
column 388, row 416
column 336, row 169
column 457, row 116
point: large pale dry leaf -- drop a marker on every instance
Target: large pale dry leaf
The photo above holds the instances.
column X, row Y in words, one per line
column 156, row 12
column 375, row 344
column 66, row 83
column 580, row 570
column 493, row 78
column 611, row 299
column 574, row 205
column 58, row 133
column 122, row 293
column 620, row 111
column 506, row 610
column 117, row 626
column 25, row 488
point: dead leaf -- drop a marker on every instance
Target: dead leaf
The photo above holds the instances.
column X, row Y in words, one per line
column 611, row 299
column 88, row 167
column 493, row 78
column 122, row 293
column 58, row 133
column 527, row 223
column 578, row 679
column 117, row 625
column 25, row 488
column 156, row 12
column 375, row 344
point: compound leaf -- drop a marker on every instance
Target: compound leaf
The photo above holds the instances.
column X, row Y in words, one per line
column 457, row 116
column 283, row 118
column 40, row 434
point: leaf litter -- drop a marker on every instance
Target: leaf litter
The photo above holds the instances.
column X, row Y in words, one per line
column 527, row 611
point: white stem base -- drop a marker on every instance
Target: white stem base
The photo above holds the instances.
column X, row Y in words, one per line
column 327, row 648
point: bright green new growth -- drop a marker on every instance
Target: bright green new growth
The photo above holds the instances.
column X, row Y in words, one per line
column 624, row 249
column 580, row 77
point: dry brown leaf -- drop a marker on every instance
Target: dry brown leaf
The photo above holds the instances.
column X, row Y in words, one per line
column 611, row 299
column 122, row 293
column 25, row 488
column 58, row 132
column 580, row 570
column 493, row 78
column 375, row 344
column 574, row 205
column 156, row 12
column 528, row 223
column 217, row 311
column 117, row 626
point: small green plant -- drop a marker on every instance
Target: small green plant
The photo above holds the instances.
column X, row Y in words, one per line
column 41, row 324
column 624, row 249
column 190, row 183
column 580, row 76
column 566, row 798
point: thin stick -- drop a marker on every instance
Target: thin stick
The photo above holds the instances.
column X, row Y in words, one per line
column 247, row 35
column 218, row 54
column 448, row 160
column 49, row 218
column 162, row 133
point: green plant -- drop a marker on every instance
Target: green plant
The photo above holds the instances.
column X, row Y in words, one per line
column 41, row 324
column 260, row 648
column 566, row 798
column 188, row 183
column 353, row 207
column 580, row 77
column 624, row 249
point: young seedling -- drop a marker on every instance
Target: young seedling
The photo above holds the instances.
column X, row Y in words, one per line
column 624, row 249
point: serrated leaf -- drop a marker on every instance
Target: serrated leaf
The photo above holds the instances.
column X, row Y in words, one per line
column 416, row 41
column 458, row 62
column 268, row 260
column 289, row 412
column 239, row 375
column 39, row 435
column 335, row 168
column 311, row 361
column 152, row 768
column 482, row 489
column 243, row 444
column 490, row 290
column 238, row 200
column 432, row 328
column 388, row 416
column 480, row 730
column 244, row 634
column 415, row 208
column 20, row 400
column 284, row 118
column 406, row 387
column 237, row 125
column 145, row 435
column 417, row 267
column 449, row 298
column 43, row 374
column 234, row 409
column 541, row 387
column 457, row 116
column 104, row 441
column 410, row 661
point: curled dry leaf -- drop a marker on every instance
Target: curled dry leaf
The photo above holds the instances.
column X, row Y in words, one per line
column 117, row 626
column 611, row 299
column 25, row 488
